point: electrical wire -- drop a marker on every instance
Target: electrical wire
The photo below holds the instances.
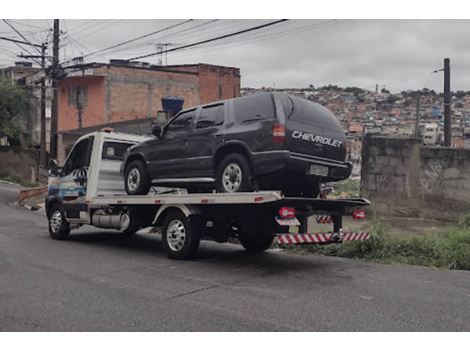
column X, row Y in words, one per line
column 137, row 38
column 210, row 39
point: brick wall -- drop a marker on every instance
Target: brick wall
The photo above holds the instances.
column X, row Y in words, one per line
column 124, row 93
column 403, row 177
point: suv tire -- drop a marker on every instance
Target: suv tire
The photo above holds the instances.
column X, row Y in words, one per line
column 234, row 174
column 136, row 178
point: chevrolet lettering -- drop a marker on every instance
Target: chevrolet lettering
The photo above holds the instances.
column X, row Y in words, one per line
column 316, row 139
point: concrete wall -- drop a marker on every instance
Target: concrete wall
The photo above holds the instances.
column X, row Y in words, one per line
column 402, row 177
column 19, row 162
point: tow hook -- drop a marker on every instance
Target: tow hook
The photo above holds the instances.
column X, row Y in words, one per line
column 337, row 236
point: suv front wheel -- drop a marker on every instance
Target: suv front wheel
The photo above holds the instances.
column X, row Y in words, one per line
column 136, row 178
column 234, row 174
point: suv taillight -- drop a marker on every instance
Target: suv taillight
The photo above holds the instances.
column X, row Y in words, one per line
column 279, row 133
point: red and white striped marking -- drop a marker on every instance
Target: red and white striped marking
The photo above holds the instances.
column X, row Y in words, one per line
column 324, row 219
column 322, row 237
column 355, row 236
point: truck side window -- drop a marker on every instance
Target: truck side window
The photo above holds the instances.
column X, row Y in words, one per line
column 114, row 150
column 79, row 157
column 181, row 125
column 211, row 116
column 254, row 108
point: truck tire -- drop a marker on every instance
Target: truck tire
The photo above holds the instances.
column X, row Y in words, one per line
column 136, row 178
column 256, row 243
column 59, row 228
column 256, row 231
column 234, row 174
column 180, row 235
column 305, row 189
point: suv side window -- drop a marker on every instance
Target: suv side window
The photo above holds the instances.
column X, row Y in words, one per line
column 181, row 125
column 211, row 116
column 254, row 108
column 79, row 157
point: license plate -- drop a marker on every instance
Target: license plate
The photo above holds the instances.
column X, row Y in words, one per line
column 318, row 170
column 288, row 222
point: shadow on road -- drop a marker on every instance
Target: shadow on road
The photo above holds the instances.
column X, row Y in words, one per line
column 228, row 255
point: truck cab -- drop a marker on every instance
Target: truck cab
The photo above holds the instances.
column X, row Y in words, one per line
column 91, row 169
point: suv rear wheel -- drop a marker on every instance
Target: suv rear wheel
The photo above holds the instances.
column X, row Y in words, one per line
column 234, row 174
column 136, row 178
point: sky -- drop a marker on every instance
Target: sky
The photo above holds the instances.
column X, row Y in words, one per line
column 395, row 54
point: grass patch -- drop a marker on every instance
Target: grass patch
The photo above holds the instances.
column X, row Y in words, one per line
column 347, row 188
column 449, row 248
column 20, row 181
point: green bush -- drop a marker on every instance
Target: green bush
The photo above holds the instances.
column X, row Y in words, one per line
column 446, row 249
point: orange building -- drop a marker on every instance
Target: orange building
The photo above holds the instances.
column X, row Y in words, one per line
column 120, row 91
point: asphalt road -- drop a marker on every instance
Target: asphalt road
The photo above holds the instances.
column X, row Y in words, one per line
column 99, row 280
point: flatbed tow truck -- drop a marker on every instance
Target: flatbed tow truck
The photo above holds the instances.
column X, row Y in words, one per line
column 88, row 190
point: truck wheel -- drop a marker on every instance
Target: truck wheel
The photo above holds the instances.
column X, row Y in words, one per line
column 256, row 231
column 256, row 243
column 180, row 235
column 234, row 174
column 59, row 228
column 302, row 189
column 136, row 178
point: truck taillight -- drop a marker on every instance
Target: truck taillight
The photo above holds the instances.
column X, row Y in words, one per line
column 359, row 214
column 279, row 133
column 287, row 213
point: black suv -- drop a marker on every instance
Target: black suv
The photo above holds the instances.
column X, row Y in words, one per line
column 264, row 141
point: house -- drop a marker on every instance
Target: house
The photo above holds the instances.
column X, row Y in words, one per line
column 92, row 96
column 98, row 93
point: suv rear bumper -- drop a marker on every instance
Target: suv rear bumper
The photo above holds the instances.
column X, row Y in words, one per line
column 277, row 160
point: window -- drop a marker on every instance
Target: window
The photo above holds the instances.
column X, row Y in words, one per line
column 211, row 116
column 180, row 125
column 78, row 95
column 308, row 112
column 114, row 150
column 287, row 105
column 79, row 157
column 254, row 108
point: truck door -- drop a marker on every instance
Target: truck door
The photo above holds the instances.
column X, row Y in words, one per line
column 203, row 140
column 74, row 177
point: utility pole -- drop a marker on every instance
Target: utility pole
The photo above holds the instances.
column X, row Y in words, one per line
column 43, row 106
column 79, row 105
column 55, row 103
column 418, row 98
column 43, row 92
column 447, row 102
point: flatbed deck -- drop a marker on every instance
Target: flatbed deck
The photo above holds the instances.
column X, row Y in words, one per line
column 260, row 197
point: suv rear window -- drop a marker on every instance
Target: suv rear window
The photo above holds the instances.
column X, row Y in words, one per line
column 254, row 107
column 311, row 113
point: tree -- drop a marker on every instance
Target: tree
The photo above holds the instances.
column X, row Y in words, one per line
column 13, row 104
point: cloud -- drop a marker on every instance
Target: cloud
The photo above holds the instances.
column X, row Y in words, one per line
column 399, row 54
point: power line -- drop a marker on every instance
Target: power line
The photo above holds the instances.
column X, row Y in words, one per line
column 267, row 36
column 104, row 26
column 137, row 38
column 21, row 35
column 211, row 39
column 158, row 38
